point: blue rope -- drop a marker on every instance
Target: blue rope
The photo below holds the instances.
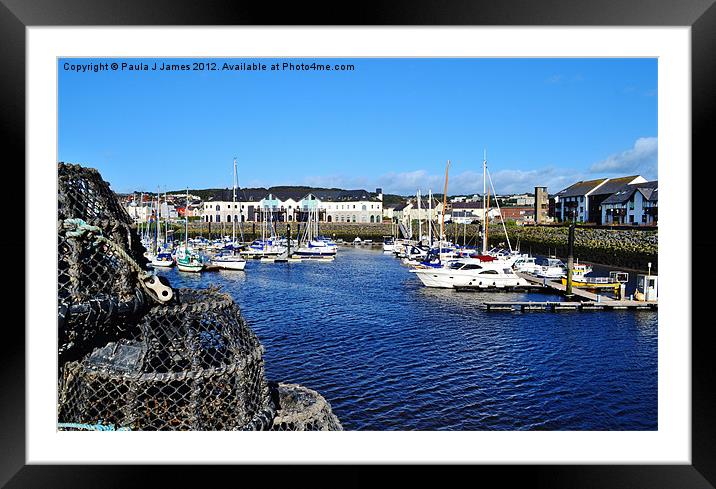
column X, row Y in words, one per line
column 92, row 427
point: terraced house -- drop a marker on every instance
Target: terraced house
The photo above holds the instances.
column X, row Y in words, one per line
column 582, row 202
column 635, row 204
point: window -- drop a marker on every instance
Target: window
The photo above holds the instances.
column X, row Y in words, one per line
column 218, row 218
column 489, row 272
column 472, row 267
column 218, row 207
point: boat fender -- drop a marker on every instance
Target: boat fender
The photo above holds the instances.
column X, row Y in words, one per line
column 163, row 292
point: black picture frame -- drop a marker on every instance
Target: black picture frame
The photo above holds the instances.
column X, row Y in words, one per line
column 16, row 15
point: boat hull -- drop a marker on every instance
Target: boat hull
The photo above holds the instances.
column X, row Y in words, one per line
column 230, row 264
column 448, row 279
column 591, row 285
column 190, row 268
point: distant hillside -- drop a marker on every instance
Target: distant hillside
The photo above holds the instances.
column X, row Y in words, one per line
column 204, row 194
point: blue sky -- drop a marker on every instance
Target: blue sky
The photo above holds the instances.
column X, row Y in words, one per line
column 390, row 123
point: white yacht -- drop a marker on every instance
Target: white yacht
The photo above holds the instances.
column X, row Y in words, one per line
column 527, row 264
column 469, row 272
column 553, row 268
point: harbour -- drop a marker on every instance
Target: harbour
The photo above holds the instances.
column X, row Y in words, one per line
column 390, row 354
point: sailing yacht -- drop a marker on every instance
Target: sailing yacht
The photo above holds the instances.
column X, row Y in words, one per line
column 161, row 259
column 313, row 247
column 187, row 259
column 230, row 260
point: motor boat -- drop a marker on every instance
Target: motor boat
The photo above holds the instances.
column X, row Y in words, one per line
column 552, row 268
column 526, row 264
column 388, row 244
column 469, row 272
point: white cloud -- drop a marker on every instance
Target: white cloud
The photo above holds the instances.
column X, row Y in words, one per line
column 466, row 182
column 641, row 159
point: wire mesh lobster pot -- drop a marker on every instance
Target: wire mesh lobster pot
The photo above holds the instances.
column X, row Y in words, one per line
column 195, row 366
column 99, row 254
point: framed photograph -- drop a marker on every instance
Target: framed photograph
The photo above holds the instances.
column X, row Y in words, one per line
column 431, row 235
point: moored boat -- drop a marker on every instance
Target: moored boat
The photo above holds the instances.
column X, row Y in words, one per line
column 163, row 260
column 228, row 259
column 469, row 272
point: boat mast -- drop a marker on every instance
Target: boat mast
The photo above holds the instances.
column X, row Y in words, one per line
column 484, row 209
column 442, row 222
column 233, row 221
column 156, row 228
column 186, row 222
column 430, row 221
column 487, row 227
column 166, row 223
column 141, row 221
column 420, row 219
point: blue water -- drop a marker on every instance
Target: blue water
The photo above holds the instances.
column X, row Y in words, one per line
column 390, row 354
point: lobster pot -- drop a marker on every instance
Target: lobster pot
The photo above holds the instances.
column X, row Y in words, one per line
column 196, row 366
column 98, row 257
column 302, row 409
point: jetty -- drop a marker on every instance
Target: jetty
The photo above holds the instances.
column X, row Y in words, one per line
column 555, row 306
column 557, row 286
column 590, row 301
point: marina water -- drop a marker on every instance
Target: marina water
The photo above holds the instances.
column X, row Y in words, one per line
column 390, row 354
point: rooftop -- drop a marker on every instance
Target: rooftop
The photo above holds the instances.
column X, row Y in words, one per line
column 294, row 193
column 582, row 187
column 648, row 189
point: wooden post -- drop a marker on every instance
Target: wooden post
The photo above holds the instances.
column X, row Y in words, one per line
column 570, row 260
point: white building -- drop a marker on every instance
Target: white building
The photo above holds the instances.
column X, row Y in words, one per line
column 286, row 204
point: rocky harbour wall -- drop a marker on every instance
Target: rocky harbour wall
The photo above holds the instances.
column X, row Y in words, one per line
column 628, row 248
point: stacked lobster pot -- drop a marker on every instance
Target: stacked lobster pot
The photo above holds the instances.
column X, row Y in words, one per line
column 136, row 354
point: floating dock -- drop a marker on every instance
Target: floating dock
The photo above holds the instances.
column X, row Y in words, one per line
column 569, row 306
column 590, row 301
column 492, row 288
column 557, row 286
